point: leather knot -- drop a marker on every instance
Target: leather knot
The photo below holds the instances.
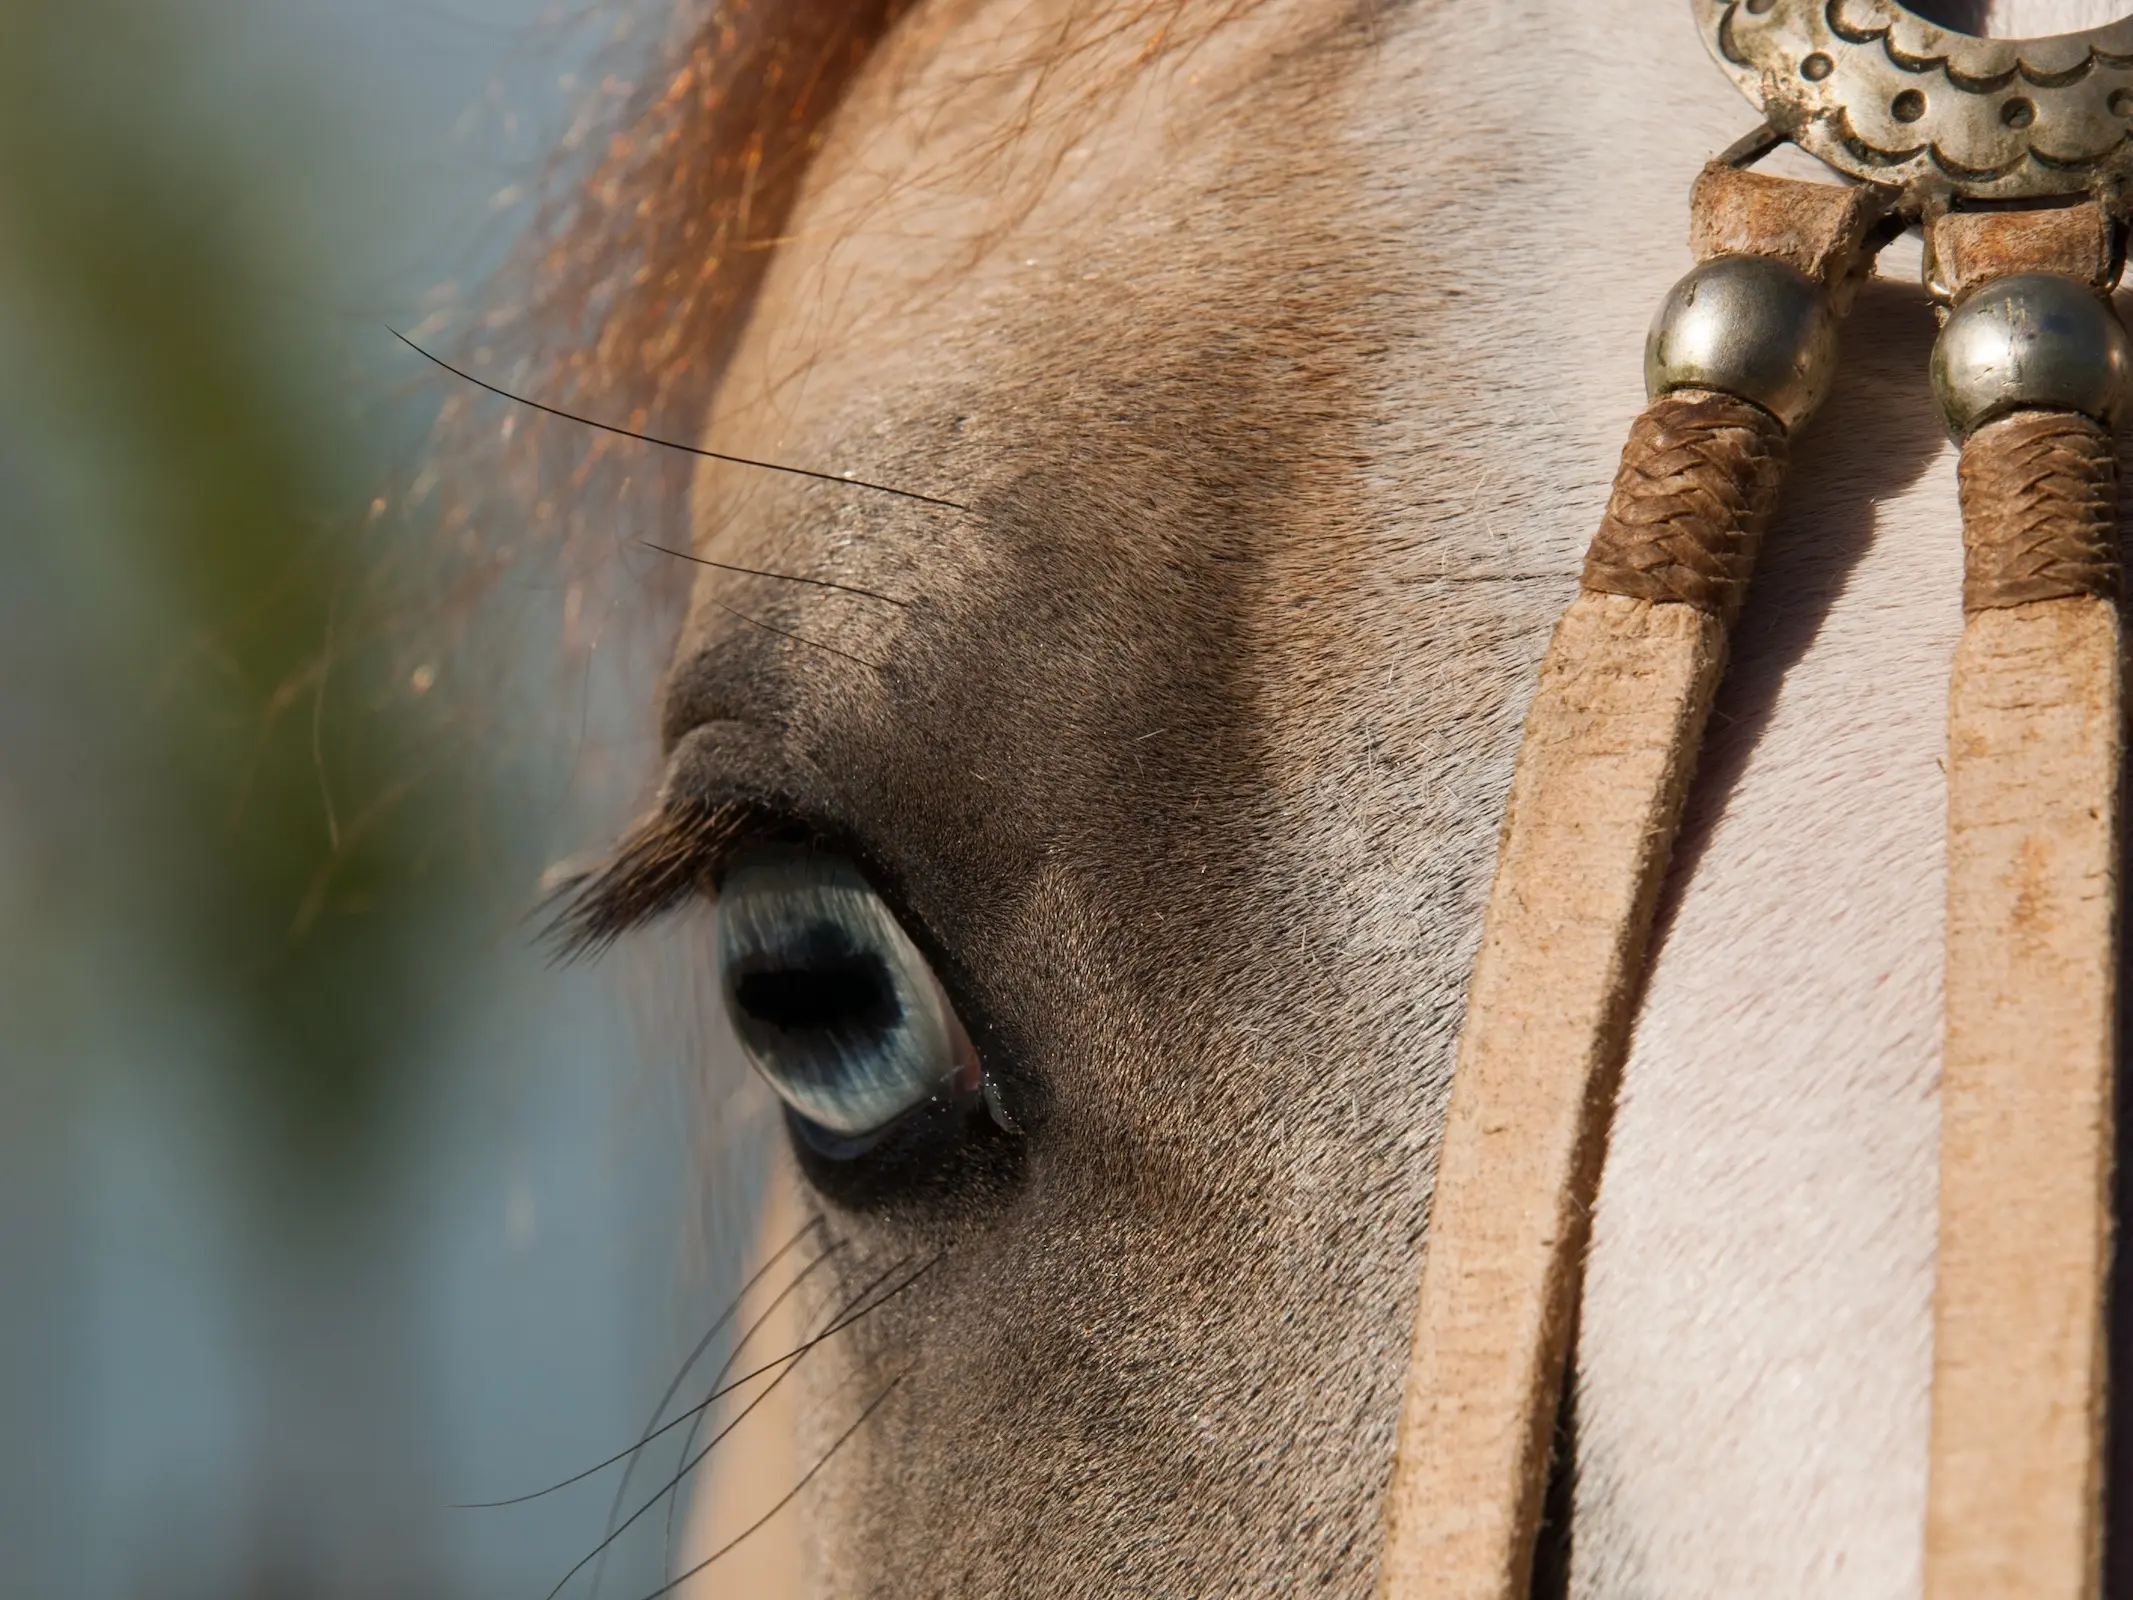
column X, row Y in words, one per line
column 2040, row 510
column 1698, row 481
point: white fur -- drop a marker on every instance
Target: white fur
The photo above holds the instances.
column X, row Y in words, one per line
column 2032, row 19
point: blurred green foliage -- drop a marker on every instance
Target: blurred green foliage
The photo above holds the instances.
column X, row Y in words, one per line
column 248, row 800
column 321, row 1204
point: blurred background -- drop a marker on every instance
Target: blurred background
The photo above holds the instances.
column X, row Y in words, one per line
column 325, row 1201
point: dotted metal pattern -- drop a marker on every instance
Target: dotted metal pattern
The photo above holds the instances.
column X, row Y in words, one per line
column 1880, row 93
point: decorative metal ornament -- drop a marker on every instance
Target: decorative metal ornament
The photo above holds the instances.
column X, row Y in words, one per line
column 1951, row 134
column 1888, row 97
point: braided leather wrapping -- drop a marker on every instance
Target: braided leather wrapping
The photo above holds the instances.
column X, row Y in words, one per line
column 1698, row 481
column 2040, row 510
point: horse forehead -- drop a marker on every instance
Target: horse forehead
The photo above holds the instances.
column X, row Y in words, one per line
column 1120, row 285
column 1282, row 390
column 1071, row 328
column 978, row 208
column 1251, row 304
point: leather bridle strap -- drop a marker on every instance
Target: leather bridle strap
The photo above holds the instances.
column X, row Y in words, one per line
column 2012, row 153
column 2035, row 721
column 1609, row 748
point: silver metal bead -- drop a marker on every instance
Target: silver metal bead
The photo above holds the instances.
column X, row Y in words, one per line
column 1746, row 326
column 2033, row 340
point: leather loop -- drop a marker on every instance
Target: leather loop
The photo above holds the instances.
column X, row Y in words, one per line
column 1971, row 248
column 2015, row 1467
column 2040, row 506
column 1823, row 229
column 1609, row 750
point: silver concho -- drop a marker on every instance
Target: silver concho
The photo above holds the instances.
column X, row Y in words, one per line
column 1888, row 97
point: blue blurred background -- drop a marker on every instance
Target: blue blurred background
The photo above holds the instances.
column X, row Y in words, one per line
column 324, row 1201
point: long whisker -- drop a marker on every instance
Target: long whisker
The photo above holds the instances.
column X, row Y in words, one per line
column 681, row 1474
column 797, row 638
column 666, row 1537
column 726, row 1316
column 716, row 1395
column 790, row 1360
column 673, row 1388
column 790, row 1495
column 696, row 1424
column 674, row 444
column 782, row 577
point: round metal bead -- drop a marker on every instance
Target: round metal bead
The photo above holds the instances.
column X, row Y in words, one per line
column 1747, row 326
column 2035, row 340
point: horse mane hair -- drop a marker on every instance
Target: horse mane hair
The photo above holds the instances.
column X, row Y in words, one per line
column 643, row 264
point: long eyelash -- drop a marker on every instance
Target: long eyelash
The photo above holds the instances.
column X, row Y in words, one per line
column 791, row 1494
column 658, row 864
column 675, row 444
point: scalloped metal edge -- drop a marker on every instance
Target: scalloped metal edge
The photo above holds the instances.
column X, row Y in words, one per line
column 1880, row 93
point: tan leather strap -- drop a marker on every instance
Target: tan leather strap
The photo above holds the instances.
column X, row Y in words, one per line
column 2027, row 1086
column 1817, row 228
column 1609, row 748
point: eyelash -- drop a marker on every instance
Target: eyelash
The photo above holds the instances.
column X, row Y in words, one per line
column 668, row 859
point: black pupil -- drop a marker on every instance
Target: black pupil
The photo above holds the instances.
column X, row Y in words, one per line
column 822, row 983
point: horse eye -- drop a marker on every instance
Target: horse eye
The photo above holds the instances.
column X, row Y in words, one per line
column 831, row 999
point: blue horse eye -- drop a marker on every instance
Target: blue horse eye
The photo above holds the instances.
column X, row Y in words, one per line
column 831, row 999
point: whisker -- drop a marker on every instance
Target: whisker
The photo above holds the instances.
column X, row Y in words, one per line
column 1484, row 577
column 688, row 1442
column 790, row 1495
column 797, row 638
column 718, row 1394
column 674, row 444
column 623, row 1488
column 789, row 1361
column 681, row 1474
column 666, row 1537
column 726, row 1316
column 782, row 577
